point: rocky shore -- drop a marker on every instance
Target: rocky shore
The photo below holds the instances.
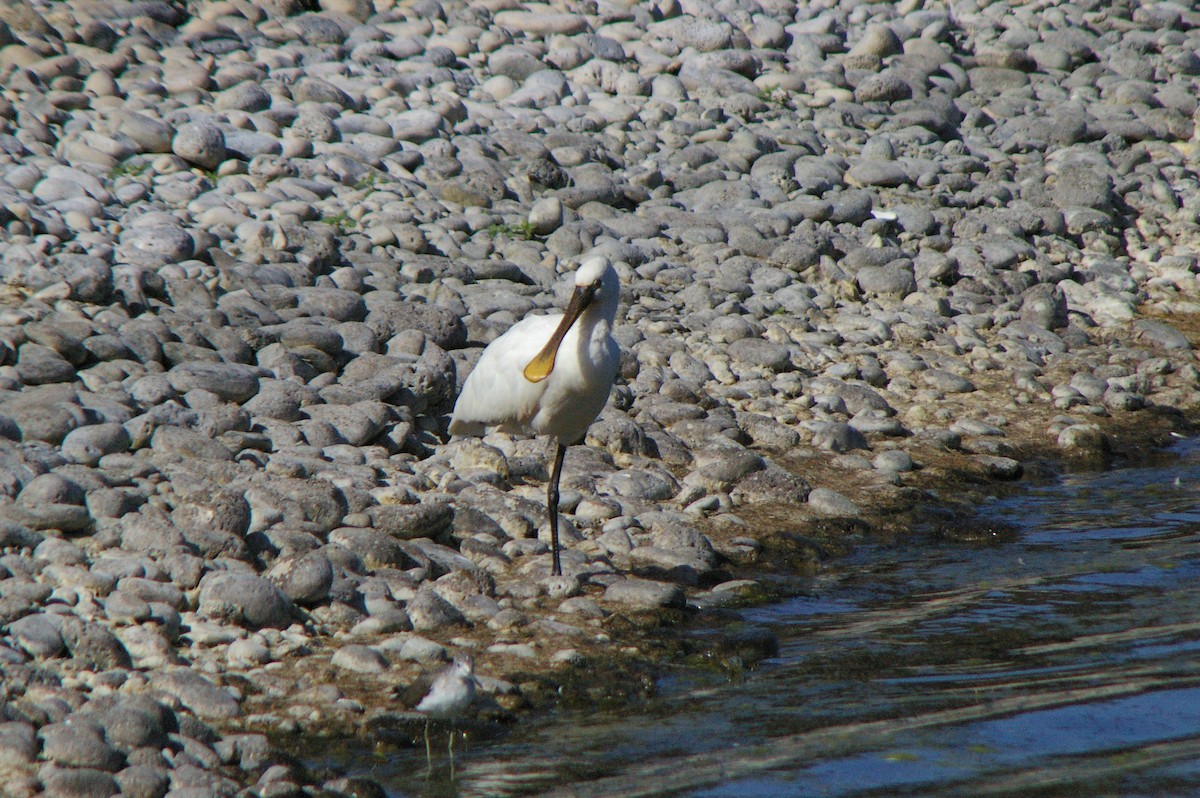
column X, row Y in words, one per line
column 877, row 261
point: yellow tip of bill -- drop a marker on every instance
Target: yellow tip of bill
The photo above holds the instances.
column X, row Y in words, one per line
column 540, row 367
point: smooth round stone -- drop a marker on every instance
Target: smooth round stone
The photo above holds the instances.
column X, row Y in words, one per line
column 415, row 648
column 831, row 503
column 78, row 745
column 546, row 215
column 126, row 608
column 305, row 579
column 197, row 693
column 37, row 634
column 541, row 23
column 359, row 659
column 172, row 244
column 200, row 144
column 417, row 126
column 142, row 781
column 51, row 489
column 947, row 381
column 894, row 460
column 86, row 445
column 883, row 87
column 41, row 365
column 150, row 134
column 248, row 144
column 644, row 594
column 878, row 42
column 838, row 437
column 1083, row 439
column 430, row 612
column 234, row 382
column 250, row 652
column 245, row 599
column 77, row 782
column 249, row 97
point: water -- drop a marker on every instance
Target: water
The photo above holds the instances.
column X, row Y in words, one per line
column 1062, row 661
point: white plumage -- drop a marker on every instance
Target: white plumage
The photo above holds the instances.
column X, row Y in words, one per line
column 450, row 695
column 548, row 375
column 451, row 692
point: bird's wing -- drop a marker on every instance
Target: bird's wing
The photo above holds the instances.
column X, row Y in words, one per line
column 496, row 393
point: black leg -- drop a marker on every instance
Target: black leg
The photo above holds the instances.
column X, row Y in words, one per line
column 428, row 754
column 552, row 506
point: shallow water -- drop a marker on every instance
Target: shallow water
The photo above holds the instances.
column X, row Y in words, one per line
column 1062, row 661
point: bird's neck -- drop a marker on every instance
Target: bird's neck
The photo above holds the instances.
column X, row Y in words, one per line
column 596, row 323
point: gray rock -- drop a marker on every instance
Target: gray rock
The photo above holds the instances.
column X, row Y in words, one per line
column 86, row 445
column 78, row 782
column 78, row 745
column 40, row 365
column 947, row 381
column 38, row 635
column 248, row 96
column 430, row 612
column 92, row 643
column 245, row 599
column 838, row 437
column 306, row 579
column 758, row 353
column 883, row 87
column 894, row 280
column 197, row 693
column 200, row 144
column 165, row 243
column 830, row 502
column 150, row 134
column 135, row 722
column 233, row 382
column 143, row 781
column 51, row 489
column 643, row 594
column 359, row 659
column 376, row 549
column 409, row 521
column 18, row 743
column 1045, row 306
column 187, row 444
column 893, row 460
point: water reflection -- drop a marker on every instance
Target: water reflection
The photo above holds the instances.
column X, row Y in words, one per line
column 1060, row 662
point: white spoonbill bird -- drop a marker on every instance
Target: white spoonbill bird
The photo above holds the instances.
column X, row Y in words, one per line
column 549, row 375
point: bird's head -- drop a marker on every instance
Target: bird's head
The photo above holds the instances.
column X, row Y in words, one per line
column 464, row 665
column 595, row 279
